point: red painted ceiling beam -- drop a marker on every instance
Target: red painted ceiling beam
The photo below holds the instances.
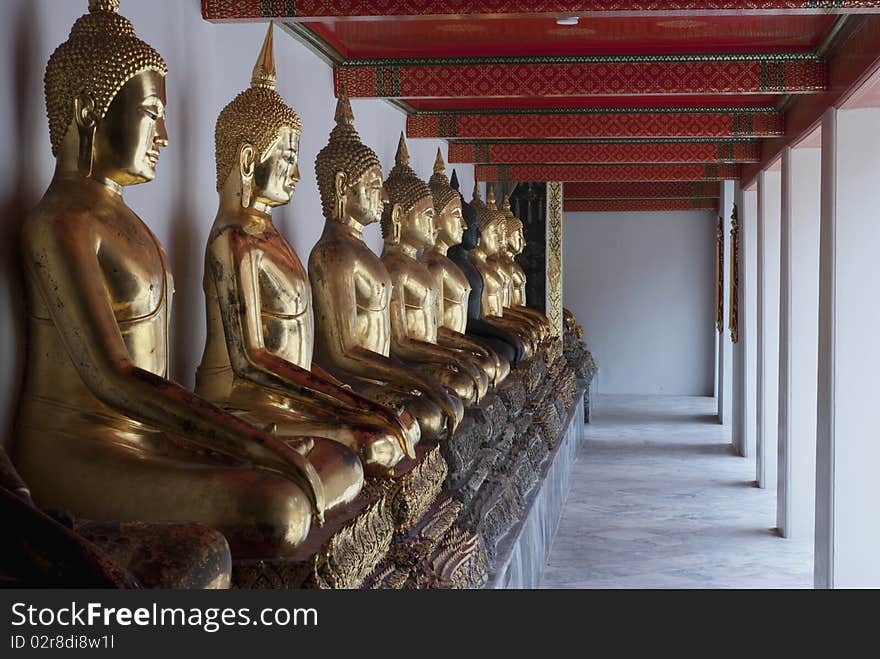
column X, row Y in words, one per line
column 692, row 122
column 855, row 59
column 661, row 75
column 628, row 205
column 616, row 190
column 608, row 173
column 604, row 152
column 220, row 10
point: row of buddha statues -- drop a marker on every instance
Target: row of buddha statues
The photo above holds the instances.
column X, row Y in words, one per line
column 313, row 380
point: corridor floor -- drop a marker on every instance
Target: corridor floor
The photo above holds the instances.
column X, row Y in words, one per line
column 659, row 500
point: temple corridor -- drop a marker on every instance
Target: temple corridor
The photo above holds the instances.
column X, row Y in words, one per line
column 660, row 500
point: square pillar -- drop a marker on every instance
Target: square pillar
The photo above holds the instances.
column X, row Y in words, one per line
column 743, row 427
column 847, row 446
column 767, row 345
column 798, row 341
column 724, row 385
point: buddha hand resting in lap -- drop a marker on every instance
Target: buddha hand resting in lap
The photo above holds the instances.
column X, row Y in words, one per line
column 408, row 227
column 258, row 356
column 101, row 430
column 352, row 288
column 453, row 288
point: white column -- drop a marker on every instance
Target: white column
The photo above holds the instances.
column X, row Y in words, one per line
column 848, row 446
column 743, row 431
column 767, row 388
column 798, row 341
column 724, row 385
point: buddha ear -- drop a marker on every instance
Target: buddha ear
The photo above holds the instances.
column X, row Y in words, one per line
column 340, row 187
column 86, row 125
column 396, row 223
column 246, row 163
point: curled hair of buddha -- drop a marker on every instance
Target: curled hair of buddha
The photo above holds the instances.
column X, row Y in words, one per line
column 404, row 187
column 488, row 214
column 344, row 153
column 256, row 116
column 512, row 222
column 441, row 188
column 101, row 54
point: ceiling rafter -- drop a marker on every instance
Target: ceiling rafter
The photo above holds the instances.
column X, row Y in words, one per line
column 641, row 190
column 608, row 173
column 605, row 152
column 791, row 73
column 637, row 205
column 646, row 123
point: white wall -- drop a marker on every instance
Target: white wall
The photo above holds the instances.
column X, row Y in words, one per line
column 643, row 286
column 208, row 64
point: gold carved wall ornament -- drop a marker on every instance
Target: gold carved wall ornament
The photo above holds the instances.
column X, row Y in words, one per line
column 734, row 275
column 553, row 308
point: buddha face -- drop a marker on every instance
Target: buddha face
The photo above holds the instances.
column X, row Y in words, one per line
column 127, row 141
column 516, row 242
column 492, row 239
column 418, row 228
column 277, row 174
column 450, row 224
column 471, row 236
column 365, row 198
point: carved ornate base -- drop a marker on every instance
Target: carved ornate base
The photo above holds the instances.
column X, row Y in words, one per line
column 340, row 554
column 414, row 487
column 163, row 555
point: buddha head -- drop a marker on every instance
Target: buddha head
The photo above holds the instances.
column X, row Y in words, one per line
column 492, row 225
column 257, row 140
column 448, row 217
column 471, row 236
column 409, row 216
column 105, row 99
column 515, row 240
column 349, row 173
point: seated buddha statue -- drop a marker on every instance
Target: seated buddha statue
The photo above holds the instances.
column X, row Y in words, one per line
column 407, row 229
column 352, row 289
column 257, row 362
column 101, row 430
column 453, row 289
column 496, row 281
column 506, row 344
column 514, row 243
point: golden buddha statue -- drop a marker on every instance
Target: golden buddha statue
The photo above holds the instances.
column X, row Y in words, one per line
column 453, row 287
column 496, row 281
column 101, row 430
column 352, row 288
column 514, row 243
column 408, row 228
column 258, row 356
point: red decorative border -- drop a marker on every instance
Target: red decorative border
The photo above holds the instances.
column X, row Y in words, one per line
column 250, row 9
column 623, row 205
column 646, row 152
column 670, row 190
column 597, row 173
column 481, row 80
column 606, row 125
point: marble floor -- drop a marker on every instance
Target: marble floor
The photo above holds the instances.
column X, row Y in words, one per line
column 659, row 500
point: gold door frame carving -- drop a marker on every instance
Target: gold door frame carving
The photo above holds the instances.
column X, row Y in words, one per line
column 553, row 299
column 719, row 274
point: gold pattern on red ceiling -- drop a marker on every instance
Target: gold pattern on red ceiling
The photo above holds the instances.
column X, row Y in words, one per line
column 642, row 190
column 603, row 152
column 650, row 88
column 630, row 205
column 219, row 10
column 628, row 124
column 597, row 173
